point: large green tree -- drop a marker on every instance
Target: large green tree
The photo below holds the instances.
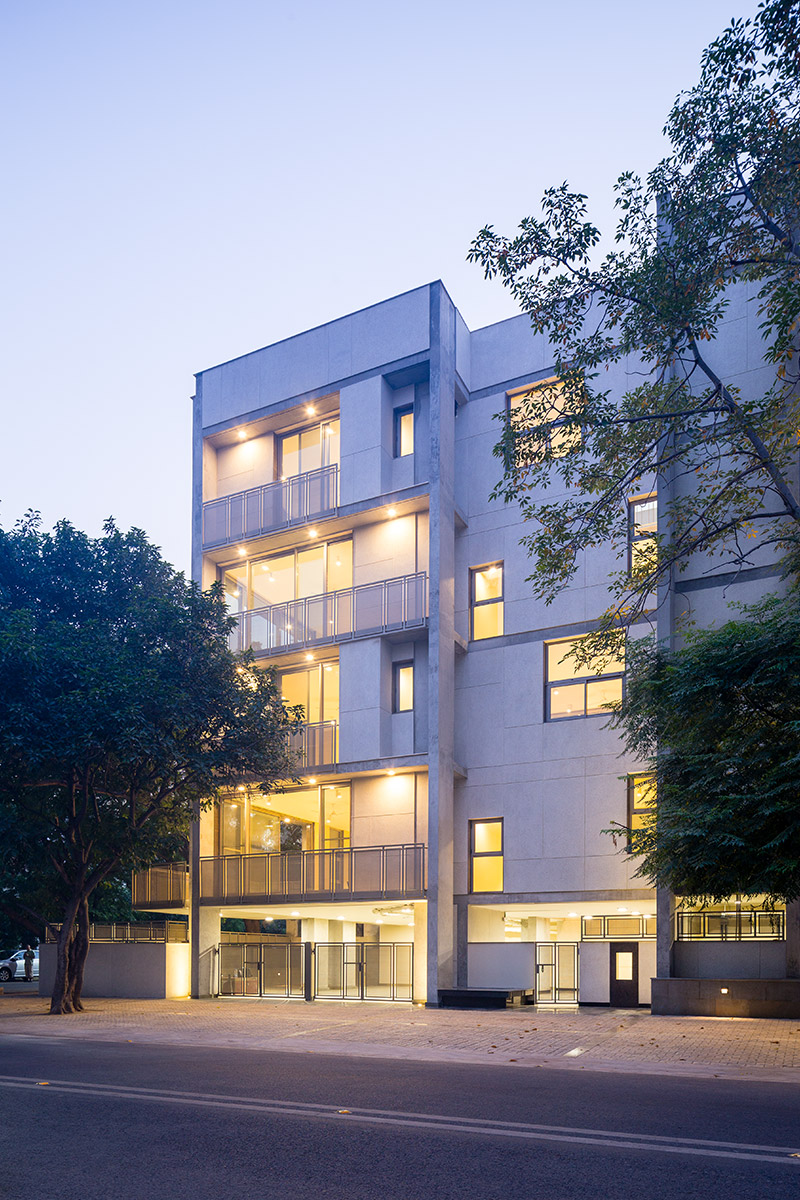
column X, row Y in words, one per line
column 718, row 723
column 718, row 219
column 122, row 713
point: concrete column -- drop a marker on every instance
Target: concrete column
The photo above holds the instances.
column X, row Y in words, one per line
column 665, row 913
column 419, row 987
column 462, row 944
column 205, row 939
column 441, row 644
column 793, row 940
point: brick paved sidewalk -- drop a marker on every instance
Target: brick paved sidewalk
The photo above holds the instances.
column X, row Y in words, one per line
column 591, row 1039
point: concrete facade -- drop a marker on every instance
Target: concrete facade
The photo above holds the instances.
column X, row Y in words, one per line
column 477, row 745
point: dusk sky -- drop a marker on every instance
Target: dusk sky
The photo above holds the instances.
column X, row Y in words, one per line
column 188, row 180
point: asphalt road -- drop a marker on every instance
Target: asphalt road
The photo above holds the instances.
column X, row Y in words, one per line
column 83, row 1120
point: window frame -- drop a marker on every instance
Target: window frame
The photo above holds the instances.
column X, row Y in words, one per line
column 552, row 381
column 252, row 562
column 631, row 798
column 397, row 667
column 633, row 536
column 579, row 680
column 398, row 413
column 473, row 853
column 473, row 603
column 298, row 431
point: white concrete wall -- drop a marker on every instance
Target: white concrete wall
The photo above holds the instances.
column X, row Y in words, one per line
column 245, row 465
column 501, row 965
column 383, row 810
column 130, row 970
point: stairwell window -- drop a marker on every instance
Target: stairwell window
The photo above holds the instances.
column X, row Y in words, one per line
column 486, row 855
column 641, row 801
column 403, row 431
column 486, row 601
column 402, row 687
column 572, row 691
column 642, row 530
column 544, row 420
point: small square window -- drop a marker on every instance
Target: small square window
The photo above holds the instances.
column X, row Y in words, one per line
column 402, row 686
column 403, row 432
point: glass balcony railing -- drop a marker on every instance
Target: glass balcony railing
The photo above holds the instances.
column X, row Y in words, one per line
column 315, row 745
column 273, row 506
column 363, row 872
column 363, row 611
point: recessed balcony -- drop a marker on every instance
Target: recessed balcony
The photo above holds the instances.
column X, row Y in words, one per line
column 273, row 506
column 367, row 610
column 315, row 745
column 359, row 873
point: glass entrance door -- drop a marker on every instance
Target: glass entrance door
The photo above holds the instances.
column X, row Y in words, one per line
column 556, row 973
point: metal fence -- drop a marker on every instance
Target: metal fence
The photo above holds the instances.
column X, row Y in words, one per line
column 321, row 971
column 374, row 872
column 601, row 929
column 134, row 931
column 261, row 969
column 164, row 883
column 273, row 506
column 747, row 924
column 362, row 611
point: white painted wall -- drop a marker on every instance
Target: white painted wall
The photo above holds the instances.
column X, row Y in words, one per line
column 501, row 965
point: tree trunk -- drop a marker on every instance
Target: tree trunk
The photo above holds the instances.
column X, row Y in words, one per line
column 78, row 951
column 60, row 1000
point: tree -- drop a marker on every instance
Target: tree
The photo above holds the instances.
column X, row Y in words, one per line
column 721, row 212
column 728, row 818
column 122, row 713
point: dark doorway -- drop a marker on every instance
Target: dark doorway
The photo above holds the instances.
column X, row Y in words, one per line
column 624, row 989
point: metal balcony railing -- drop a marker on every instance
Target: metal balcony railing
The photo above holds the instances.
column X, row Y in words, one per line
column 316, row 745
column 365, row 873
column 164, row 885
column 273, row 506
column 133, row 931
column 749, row 924
column 356, row 612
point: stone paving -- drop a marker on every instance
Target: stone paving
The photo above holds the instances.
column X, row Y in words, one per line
column 590, row 1039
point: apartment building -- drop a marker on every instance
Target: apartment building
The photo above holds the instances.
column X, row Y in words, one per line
column 456, row 769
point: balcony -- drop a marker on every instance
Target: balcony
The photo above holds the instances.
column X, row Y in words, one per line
column 165, row 885
column 363, row 611
column 273, row 506
column 363, row 873
column 315, row 745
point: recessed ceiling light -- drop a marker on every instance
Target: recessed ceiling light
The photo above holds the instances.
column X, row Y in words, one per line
column 312, row 533
column 241, row 434
column 392, row 512
column 310, row 410
column 240, row 550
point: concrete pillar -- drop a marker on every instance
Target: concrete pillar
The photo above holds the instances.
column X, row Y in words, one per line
column 462, row 944
column 793, row 940
column 205, row 939
column 665, row 913
column 419, row 988
column 441, row 644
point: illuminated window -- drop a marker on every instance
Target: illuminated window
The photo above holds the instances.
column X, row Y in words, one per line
column 642, row 529
column 542, row 411
column 572, row 691
column 486, row 601
column 403, row 431
column 486, row 855
column 309, row 818
column 291, row 575
column 308, row 449
column 641, row 800
column 402, row 686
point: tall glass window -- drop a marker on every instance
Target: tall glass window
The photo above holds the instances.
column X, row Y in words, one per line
column 642, row 530
column 308, row 449
column 402, row 686
column 290, row 575
column 403, row 431
column 486, row 855
column 486, row 601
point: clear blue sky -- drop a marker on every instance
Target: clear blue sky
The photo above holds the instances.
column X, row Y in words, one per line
column 187, row 180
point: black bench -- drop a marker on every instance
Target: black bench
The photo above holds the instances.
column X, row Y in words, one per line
column 483, row 997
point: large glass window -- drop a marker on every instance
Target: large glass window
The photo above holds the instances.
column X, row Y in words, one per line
column 571, row 690
column 310, row 818
column 316, row 688
column 308, row 449
column 486, row 601
column 290, row 575
column 642, row 530
column 486, row 855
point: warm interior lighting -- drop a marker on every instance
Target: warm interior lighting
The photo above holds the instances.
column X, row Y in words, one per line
column 622, row 910
column 240, row 550
column 572, row 914
column 390, row 772
column 310, row 410
column 241, row 434
column 240, row 788
column 392, row 512
column 329, row 668
column 312, row 779
column 312, row 533
column 309, row 658
column 286, row 820
column 294, row 914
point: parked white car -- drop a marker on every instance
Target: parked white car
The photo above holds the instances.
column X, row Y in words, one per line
column 14, row 967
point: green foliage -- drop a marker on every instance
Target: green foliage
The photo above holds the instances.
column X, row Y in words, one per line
column 718, row 722
column 718, row 218
column 122, row 714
